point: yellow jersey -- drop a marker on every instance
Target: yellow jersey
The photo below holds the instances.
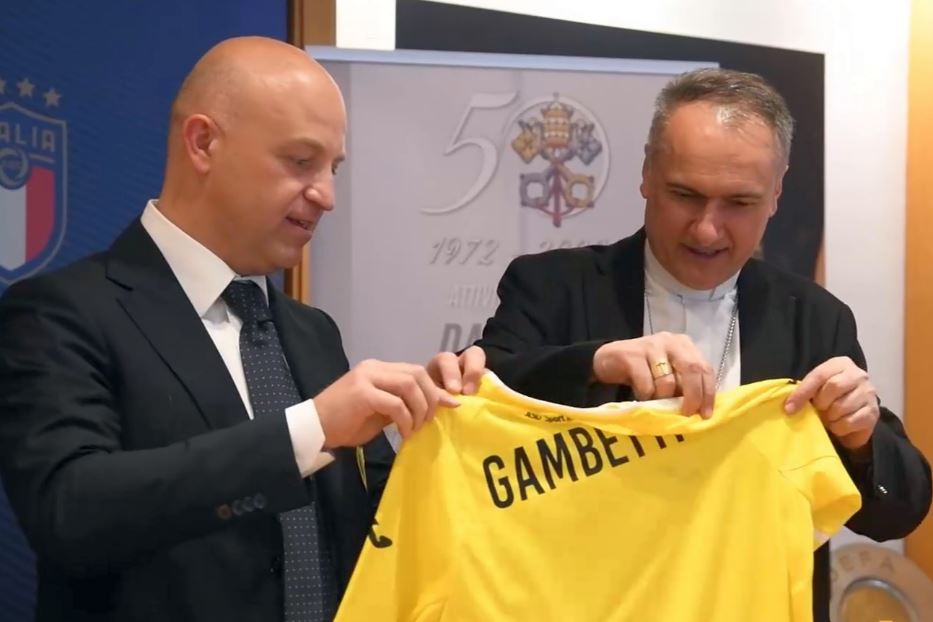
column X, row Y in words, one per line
column 511, row 508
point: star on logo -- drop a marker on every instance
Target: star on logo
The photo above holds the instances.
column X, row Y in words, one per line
column 52, row 97
column 25, row 87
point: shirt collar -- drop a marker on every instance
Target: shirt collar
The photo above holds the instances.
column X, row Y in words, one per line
column 655, row 274
column 202, row 274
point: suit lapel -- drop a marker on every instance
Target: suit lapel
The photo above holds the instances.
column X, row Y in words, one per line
column 312, row 367
column 160, row 309
column 766, row 325
column 615, row 300
column 614, row 305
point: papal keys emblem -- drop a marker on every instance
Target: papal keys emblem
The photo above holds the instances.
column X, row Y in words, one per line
column 563, row 136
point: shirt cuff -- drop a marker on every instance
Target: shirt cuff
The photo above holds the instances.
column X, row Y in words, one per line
column 304, row 427
column 393, row 436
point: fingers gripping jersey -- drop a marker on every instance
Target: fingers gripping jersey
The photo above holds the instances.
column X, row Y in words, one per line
column 509, row 508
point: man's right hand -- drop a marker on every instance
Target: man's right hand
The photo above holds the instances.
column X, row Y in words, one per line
column 359, row 404
column 659, row 366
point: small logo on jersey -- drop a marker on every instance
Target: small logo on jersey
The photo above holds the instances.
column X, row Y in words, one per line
column 33, row 166
column 560, row 131
column 547, row 418
column 380, row 542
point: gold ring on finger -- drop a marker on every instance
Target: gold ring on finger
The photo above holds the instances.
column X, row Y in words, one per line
column 661, row 368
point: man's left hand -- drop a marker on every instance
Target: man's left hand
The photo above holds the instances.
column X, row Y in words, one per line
column 458, row 375
column 845, row 399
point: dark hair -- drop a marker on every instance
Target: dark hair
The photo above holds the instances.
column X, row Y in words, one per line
column 742, row 96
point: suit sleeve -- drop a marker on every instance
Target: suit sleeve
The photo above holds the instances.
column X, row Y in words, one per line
column 895, row 485
column 86, row 504
column 527, row 341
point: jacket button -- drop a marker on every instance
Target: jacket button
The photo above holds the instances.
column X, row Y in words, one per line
column 223, row 512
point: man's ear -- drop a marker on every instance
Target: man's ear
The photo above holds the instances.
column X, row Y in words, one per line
column 645, row 169
column 199, row 136
column 778, row 189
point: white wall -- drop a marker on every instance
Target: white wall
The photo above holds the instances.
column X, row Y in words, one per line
column 866, row 46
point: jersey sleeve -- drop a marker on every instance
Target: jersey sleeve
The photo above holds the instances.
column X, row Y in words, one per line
column 817, row 472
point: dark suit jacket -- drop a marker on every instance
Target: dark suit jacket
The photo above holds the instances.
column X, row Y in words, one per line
column 558, row 307
column 128, row 456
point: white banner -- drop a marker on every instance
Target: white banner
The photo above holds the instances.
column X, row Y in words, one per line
column 457, row 163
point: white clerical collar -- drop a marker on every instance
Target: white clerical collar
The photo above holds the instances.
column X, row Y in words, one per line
column 655, row 274
column 202, row 274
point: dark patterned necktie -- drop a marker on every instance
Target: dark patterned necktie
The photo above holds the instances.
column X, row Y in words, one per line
column 310, row 584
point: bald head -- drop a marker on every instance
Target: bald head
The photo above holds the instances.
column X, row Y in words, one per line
column 238, row 71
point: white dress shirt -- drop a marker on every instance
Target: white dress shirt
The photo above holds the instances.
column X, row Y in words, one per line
column 204, row 276
column 703, row 315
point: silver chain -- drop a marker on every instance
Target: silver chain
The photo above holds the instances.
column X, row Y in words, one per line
column 727, row 347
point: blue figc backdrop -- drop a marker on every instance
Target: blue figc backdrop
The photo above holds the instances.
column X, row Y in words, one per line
column 85, row 90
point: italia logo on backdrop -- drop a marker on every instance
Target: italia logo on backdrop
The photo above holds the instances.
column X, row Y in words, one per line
column 33, row 177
